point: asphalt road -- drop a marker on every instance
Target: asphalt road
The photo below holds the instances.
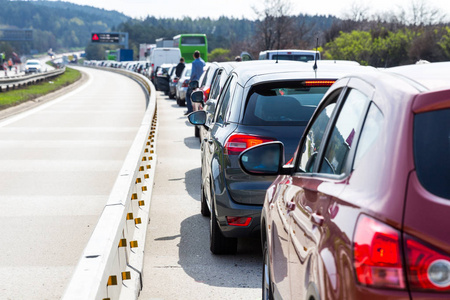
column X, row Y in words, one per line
column 178, row 263
column 58, row 163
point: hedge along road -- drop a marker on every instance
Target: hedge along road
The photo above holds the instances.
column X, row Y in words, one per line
column 178, row 263
column 58, row 163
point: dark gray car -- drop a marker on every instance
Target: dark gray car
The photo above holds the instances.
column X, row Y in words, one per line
column 260, row 102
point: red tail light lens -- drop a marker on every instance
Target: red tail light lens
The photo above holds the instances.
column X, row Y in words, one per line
column 175, row 80
column 427, row 269
column 377, row 254
column 239, row 221
column 185, row 83
column 206, row 94
column 319, row 82
column 237, row 143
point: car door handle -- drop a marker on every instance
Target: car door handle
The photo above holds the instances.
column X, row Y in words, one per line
column 317, row 219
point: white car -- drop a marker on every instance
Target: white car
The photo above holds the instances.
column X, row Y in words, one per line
column 33, row 65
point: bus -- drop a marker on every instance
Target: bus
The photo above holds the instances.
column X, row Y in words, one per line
column 189, row 43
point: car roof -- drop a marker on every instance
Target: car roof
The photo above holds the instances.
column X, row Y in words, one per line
column 432, row 76
column 254, row 72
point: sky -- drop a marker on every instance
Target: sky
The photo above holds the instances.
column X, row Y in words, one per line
column 244, row 8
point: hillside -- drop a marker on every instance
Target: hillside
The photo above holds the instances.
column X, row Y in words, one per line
column 57, row 24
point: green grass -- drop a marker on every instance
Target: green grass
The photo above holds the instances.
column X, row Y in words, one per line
column 14, row 97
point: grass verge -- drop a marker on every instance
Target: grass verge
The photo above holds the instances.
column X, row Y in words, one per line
column 14, row 97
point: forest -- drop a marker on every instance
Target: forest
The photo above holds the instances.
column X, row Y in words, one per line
column 418, row 32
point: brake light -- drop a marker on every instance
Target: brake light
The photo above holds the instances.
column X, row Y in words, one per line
column 377, row 254
column 237, row 143
column 185, row 83
column 175, row 80
column 239, row 221
column 319, row 82
column 427, row 269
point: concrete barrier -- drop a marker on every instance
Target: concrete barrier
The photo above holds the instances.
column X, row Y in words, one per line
column 112, row 262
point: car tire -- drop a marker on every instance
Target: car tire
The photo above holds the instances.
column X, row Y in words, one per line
column 218, row 243
column 196, row 131
column 266, row 280
column 204, row 209
column 178, row 101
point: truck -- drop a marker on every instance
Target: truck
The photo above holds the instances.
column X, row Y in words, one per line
column 145, row 50
column 161, row 56
column 164, row 43
column 124, row 55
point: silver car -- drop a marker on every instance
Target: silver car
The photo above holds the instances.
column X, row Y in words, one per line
column 182, row 85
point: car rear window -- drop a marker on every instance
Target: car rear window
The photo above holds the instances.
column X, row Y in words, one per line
column 296, row 57
column 432, row 151
column 290, row 103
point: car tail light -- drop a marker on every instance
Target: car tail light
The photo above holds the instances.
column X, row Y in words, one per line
column 185, row 83
column 377, row 254
column 239, row 221
column 319, row 83
column 206, row 94
column 175, row 80
column 427, row 269
column 236, row 143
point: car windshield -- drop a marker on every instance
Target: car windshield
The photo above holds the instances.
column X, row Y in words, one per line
column 432, row 151
column 288, row 103
column 297, row 57
column 32, row 63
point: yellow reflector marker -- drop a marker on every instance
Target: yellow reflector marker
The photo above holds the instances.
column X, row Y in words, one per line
column 146, row 150
column 149, row 167
column 141, row 168
column 138, row 180
column 133, row 244
column 144, row 158
column 129, row 216
column 122, row 243
column 146, row 176
column 137, row 221
column 144, row 189
column 112, row 280
column 141, row 203
column 134, row 196
column 126, row 275
column 148, row 143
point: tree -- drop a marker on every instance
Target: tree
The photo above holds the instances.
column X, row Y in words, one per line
column 274, row 27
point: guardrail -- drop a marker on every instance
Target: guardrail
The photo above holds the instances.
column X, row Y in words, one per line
column 17, row 82
column 112, row 262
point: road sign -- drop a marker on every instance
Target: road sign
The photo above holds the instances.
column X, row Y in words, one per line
column 16, row 34
column 120, row 38
column 105, row 38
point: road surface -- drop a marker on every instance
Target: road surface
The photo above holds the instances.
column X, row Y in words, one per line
column 58, row 163
column 178, row 263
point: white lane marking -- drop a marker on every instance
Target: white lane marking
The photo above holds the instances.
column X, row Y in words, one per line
column 27, row 113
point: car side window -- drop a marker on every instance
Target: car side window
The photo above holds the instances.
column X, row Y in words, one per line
column 341, row 140
column 371, row 129
column 223, row 102
column 215, row 89
column 313, row 138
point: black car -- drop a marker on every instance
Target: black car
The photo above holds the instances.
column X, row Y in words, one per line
column 163, row 77
column 261, row 101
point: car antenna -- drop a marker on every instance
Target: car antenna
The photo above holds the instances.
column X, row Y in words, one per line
column 278, row 48
column 315, row 56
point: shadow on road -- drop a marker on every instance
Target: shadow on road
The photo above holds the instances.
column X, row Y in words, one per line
column 242, row 270
column 193, row 183
column 192, row 142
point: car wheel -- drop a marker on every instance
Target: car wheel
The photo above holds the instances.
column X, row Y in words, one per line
column 196, row 131
column 204, row 209
column 266, row 280
column 178, row 101
column 218, row 243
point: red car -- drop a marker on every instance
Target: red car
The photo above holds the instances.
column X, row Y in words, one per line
column 363, row 210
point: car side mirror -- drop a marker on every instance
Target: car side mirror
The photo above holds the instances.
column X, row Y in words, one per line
column 197, row 117
column 193, row 84
column 263, row 160
column 197, row 97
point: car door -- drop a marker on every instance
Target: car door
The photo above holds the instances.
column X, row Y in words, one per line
column 211, row 139
column 323, row 166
